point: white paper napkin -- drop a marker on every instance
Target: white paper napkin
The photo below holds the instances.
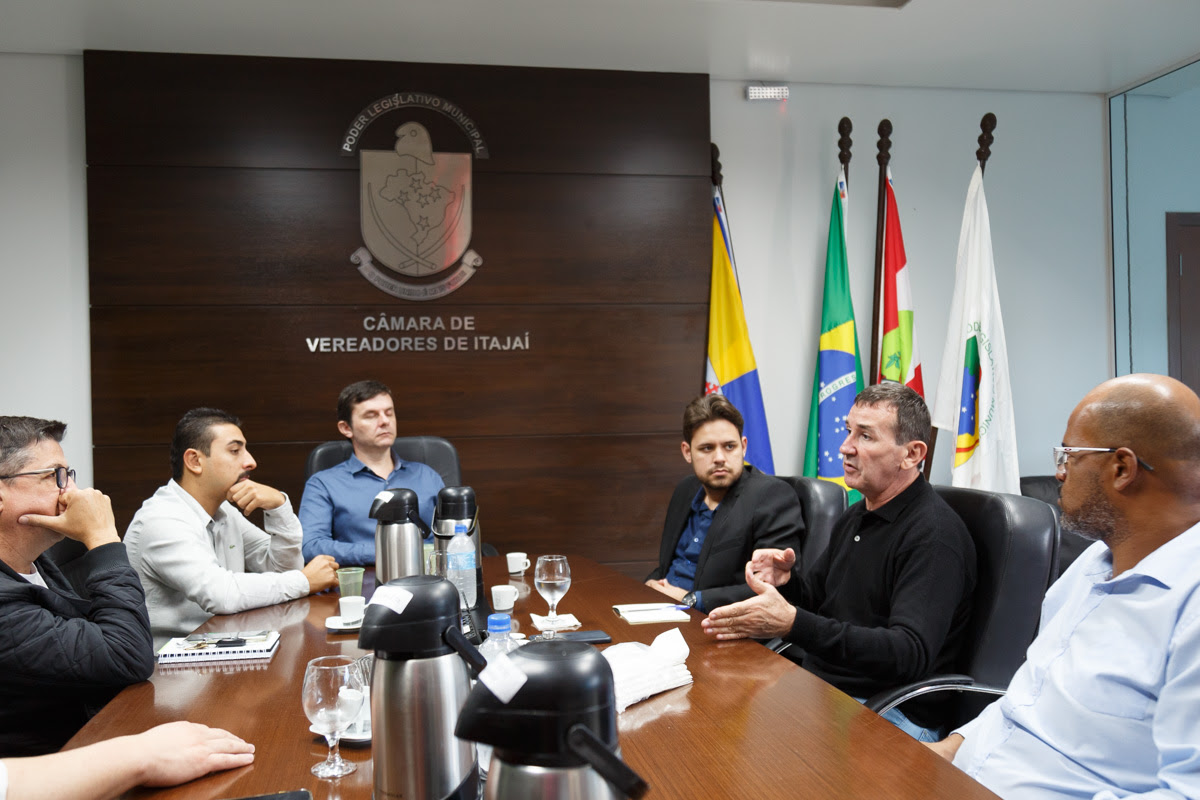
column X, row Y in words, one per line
column 562, row 622
column 640, row 671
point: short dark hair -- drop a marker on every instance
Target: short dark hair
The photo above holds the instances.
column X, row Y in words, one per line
column 706, row 408
column 356, row 393
column 18, row 435
column 195, row 432
column 912, row 415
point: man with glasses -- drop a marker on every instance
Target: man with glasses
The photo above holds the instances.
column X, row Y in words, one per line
column 62, row 655
column 1107, row 703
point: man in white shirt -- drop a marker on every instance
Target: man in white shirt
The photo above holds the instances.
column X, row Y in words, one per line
column 194, row 549
column 1107, row 703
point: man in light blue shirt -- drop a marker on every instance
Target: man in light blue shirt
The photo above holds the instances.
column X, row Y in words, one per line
column 334, row 509
column 1107, row 704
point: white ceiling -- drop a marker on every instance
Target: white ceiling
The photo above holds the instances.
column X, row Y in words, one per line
column 1095, row 46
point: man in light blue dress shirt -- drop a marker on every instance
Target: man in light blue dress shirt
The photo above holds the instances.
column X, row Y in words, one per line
column 336, row 502
column 1107, row 704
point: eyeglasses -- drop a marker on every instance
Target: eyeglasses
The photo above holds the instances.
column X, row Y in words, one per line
column 62, row 475
column 1061, row 453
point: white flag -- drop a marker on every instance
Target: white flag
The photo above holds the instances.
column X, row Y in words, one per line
column 974, row 400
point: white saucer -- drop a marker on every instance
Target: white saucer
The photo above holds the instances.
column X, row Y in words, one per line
column 335, row 624
column 348, row 737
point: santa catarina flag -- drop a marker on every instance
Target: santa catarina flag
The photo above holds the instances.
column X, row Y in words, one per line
column 899, row 358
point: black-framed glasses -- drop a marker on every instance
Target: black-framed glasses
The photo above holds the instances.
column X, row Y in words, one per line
column 62, row 475
column 1061, row 454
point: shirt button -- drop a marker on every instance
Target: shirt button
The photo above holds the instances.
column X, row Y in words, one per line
column 856, row 538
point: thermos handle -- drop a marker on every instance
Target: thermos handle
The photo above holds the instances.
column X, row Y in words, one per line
column 470, row 654
column 415, row 519
column 608, row 764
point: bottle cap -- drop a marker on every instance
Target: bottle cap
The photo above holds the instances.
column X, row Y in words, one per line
column 499, row 623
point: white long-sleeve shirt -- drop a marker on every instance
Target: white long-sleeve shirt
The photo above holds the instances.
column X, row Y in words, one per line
column 193, row 566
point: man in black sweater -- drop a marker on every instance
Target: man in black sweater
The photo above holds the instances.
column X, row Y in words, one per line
column 889, row 601
column 722, row 513
column 62, row 655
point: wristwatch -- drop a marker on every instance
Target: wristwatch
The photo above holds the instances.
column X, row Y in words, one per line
column 689, row 600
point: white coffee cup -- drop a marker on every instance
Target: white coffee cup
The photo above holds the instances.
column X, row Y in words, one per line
column 517, row 563
column 503, row 597
column 352, row 608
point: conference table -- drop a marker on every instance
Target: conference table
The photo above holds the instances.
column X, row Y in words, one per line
column 751, row 725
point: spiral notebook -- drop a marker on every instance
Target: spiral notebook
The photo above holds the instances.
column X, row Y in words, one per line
column 179, row 650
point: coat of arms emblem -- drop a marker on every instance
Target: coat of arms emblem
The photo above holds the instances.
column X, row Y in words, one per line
column 415, row 207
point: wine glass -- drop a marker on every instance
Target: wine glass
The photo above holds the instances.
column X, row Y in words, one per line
column 332, row 696
column 552, row 578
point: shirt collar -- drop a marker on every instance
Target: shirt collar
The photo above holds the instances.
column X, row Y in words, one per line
column 1169, row 564
column 698, row 504
column 194, row 505
column 355, row 464
column 892, row 509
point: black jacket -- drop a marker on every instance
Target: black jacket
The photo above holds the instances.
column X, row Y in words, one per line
column 759, row 511
column 62, row 657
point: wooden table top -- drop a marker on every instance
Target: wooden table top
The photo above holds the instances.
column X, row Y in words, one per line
column 752, row 724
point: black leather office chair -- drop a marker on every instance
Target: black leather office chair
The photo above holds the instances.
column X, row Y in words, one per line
column 1070, row 544
column 821, row 503
column 1016, row 543
column 432, row 450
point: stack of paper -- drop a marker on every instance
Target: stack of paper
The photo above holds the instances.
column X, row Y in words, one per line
column 640, row 671
column 642, row 613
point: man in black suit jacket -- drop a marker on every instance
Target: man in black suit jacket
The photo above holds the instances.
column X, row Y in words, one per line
column 722, row 513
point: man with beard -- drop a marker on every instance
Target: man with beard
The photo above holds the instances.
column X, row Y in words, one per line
column 1107, row 703
column 722, row 513
column 194, row 549
column 889, row 600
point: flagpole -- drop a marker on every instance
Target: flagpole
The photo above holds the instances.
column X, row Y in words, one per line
column 844, row 142
column 884, row 157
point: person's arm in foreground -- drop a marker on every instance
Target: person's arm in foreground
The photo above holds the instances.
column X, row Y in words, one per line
column 163, row 756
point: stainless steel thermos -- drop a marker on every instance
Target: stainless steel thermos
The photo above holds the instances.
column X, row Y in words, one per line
column 419, row 683
column 399, row 548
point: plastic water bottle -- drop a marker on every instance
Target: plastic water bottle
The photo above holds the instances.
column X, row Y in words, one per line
column 499, row 641
column 460, row 566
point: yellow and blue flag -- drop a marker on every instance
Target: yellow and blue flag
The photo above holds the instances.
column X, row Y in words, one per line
column 839, row 376
column 731, row 369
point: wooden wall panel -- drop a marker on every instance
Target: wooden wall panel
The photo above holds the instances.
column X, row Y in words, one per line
column 590, row 496
column 222, row 218
column 599, row 370
column 231, row 111
column 248, row 237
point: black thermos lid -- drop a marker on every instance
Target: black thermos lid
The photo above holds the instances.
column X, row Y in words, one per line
column 394, row 505
column 417, row 632
column 568, row 683
column 456, row 502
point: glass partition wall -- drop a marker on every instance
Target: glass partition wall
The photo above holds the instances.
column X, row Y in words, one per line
column 1155, row 155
